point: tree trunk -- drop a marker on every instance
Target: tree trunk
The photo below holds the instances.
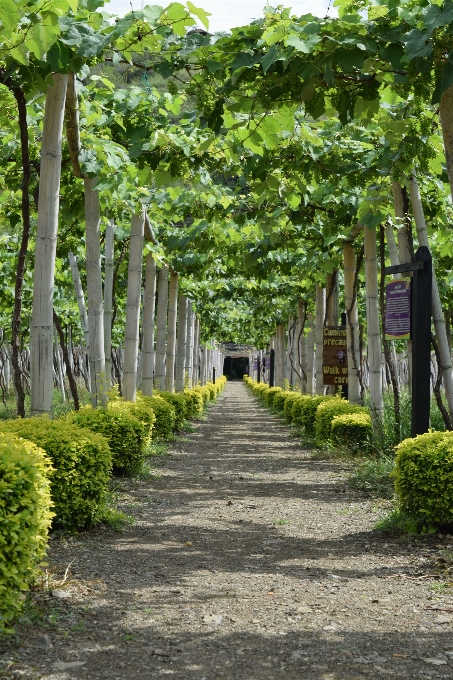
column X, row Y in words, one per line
column 161, row 337
column 181, row 343
column 72, row 124
column 280, row 358
column 352, row 323
column 196, row 353
column 171, row 333
column 332, row 299
column 301, row 346
column 94, row 293
column 189, row 344
column 446, row 121
column 310, row 357
column 20, row 267
column 108, row 293
column 320, row 314
column 67, row 360
column 41, row 330
column 134, row 288
column 149, row 303
column 373, row 331
column 438, row 317
column 60, row 375
column 80, row 298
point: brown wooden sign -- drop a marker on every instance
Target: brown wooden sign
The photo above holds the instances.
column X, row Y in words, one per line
column 334, row 356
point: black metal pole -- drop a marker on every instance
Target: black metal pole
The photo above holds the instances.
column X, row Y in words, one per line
column 272, row 368
column 213, row 375
column 258, row 368
column 421, row 294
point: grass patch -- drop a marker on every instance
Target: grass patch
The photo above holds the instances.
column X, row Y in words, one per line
column 396, row 523
column 281, row 522
column 373, row 477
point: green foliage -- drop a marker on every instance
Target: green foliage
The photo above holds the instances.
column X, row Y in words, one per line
column 270, row 394
column 204, row 391
column 138, row 409
column 125, row 434
column 212, row 390
column 196, row 402
column 424, row 479
column 165, row 415
column 82, row 462
column 353, row 430
column 373, row 476
column 291, row 397
column 25, row 518
column 304, row 411
column 279, row 399
column 325, row 413
column 181, row 405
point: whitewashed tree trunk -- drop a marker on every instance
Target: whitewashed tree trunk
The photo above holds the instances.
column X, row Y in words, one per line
column 438, row 317
column 333, row 293
column 94, row 293
column 108, row 296
column 161, row 337
column 301, row 343
column 134, row 287
column 59, row 365
column 446, row 119
column 41, row 329
column 171, row 334
column 310, row 357
column 352, row 324
column 281, row 355
column 181, row 343
column 404, row 251
column 80, row 298
column 373, row 331
column 189, row 343
column 196, row 353
column 149, row 302
column 203, row 365
column 320, row 315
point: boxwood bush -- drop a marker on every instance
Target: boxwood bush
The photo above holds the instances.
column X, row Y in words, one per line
column 82, row 462
column 280, row 399
column 291, row 398
column 25, row 518
column 125, row 434
column 144, row 413
column 165, row 415
column 270, row 394
column 196, row 402
column 305, row 411
column 326, row 411
column 353, row 430
column 424, row 479
column 180, row 404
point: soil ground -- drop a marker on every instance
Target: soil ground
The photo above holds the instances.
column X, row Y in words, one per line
column 248, row 560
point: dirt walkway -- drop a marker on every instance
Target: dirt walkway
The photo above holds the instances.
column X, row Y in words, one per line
column 248, row 560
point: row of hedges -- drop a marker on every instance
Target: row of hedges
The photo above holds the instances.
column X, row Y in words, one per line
column 423, row 473
column 331, row 420
column 57, row 472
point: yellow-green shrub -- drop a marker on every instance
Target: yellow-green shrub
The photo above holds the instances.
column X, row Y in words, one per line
column 165, row 415
column 288, row 405
column 204, row 391
column 326, row 412
column 25, row 518
column 212, row 390
column 424, row 478
column 180, row 404
column 352, row 429
column 124, row 433
column 261, row 391
column 270, row 394
column 196, row 402
column 82, row 462
column 280, row 399
column 144, row 413
column 304, row 412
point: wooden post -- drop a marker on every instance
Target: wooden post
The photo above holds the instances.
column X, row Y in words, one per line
column 171, row 334
column 181, row 343
column 149, row 303
column 189, row 342
column 134, row 286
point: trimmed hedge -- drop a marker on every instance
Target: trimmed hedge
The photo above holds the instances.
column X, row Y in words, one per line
column 279, row 399
column 270, row 394
column 304, row 411
column 196, row 402
column 165, row 414
column 82, row 462
column 125, row 434
column 289, row 403
column 144, row 413
column 352, row 429
column 25, row 518
column 424, row 479
column 326, row 411
column 180, row 404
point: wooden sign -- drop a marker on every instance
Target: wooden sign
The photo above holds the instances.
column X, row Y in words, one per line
column 334, row 356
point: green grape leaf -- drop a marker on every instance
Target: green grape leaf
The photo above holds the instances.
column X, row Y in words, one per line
column 9, row 16
column 200, row 13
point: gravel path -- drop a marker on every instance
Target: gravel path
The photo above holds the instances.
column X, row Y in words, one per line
column 248, row 560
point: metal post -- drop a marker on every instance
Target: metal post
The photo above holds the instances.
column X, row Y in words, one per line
column 272, row 368
column 421, row 342
column 213, row 375
column 258, row 368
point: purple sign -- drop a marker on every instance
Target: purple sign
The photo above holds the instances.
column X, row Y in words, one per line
column 267, row 362
column 255, row 365
column 398, row 310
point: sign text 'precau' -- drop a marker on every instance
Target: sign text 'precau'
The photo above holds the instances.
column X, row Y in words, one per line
column 334, row 356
